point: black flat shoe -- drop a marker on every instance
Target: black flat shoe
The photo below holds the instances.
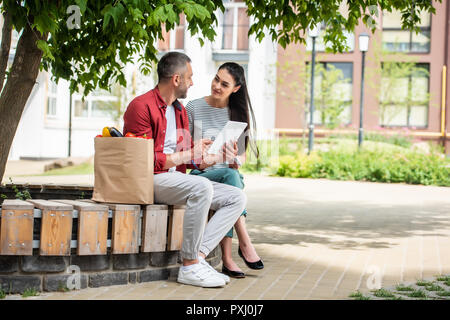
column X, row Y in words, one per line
column 252, row 265
column 233, row 274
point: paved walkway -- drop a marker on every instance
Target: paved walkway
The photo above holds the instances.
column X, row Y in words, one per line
column 319, row 239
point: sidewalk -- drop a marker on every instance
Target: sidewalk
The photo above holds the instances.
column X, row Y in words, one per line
column 22, row 171
column 319, row 239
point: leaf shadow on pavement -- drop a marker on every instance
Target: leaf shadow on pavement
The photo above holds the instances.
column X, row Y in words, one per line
column 344, row 216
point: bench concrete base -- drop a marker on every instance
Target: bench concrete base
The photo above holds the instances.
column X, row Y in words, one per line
column 42, row 273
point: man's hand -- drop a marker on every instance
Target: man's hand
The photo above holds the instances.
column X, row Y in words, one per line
column 200, row 149
column 227, row 154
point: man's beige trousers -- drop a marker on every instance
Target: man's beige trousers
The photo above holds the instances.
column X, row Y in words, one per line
column 199, row 195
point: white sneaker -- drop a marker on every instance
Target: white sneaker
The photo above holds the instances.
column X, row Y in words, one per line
column 200, row 275
column 223, row 276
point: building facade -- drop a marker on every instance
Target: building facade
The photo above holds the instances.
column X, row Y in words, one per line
column 409, row 97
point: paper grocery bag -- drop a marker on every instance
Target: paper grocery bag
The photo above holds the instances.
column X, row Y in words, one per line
column 123, row 169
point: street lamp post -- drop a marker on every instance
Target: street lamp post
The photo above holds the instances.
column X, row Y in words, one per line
column 70, row 126
column 313, row 32
column 363, row 47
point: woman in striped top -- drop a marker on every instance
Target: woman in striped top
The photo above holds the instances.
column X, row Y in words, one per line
column 229, row 100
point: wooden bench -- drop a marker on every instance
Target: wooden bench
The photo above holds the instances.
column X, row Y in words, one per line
column 58, row 226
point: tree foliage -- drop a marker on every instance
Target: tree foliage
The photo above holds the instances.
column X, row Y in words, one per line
column 111, row 32
column 288, row 20
column 93, row 54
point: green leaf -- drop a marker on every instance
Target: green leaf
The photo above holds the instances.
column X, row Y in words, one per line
column 37, row 3
column 171, row 15
column 160, row 14
column 106, row 9
column 168, row 7
column 82, row 4
column 189, row 11
column 106, row 20
column 43, row 45
column 201, row 12
column 107, row 14
column 115, row 12
column 137, row 14
column 44, row 23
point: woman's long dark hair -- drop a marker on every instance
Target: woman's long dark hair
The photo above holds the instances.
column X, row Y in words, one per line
column 239, row 103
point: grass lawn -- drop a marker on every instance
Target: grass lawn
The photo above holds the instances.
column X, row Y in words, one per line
column 84, row 168
column 435, row 289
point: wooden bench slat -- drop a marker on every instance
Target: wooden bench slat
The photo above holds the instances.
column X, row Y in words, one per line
column 161, row 227
column 56, row 227
column 175, row 226
column 83, row 205
column 92, row 232
column 125, row 228
column 12, row 204
column 154, row 228
column 16, row 229
column 49, row 205
column 92, row 227
column 113, row 206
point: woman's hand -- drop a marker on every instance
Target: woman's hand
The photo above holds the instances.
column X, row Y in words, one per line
column 229, row 152
column 237, row 163
column 234, row 166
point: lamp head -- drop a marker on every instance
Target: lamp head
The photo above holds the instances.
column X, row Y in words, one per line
column 314, row 30
column 363, row 42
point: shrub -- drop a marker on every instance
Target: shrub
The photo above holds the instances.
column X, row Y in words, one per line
column 369, row 164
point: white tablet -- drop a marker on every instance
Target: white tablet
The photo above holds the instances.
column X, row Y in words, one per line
column 231, row 132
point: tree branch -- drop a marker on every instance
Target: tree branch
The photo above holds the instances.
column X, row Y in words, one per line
column 5, row 47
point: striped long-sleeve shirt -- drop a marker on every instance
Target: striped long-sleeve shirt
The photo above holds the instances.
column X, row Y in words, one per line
column 205, row 122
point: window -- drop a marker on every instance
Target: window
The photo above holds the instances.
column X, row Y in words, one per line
column 173, row 39
column 333, row 85
column 81, row 108
column 320, row 46
column 52, row 97
column 98, row 104
column 404, row 98
column 234, row 24
column 397, row 40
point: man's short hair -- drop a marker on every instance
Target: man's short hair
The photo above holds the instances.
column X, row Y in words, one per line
column 171, row 63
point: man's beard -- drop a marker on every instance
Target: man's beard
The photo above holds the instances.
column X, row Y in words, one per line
column 182, row 91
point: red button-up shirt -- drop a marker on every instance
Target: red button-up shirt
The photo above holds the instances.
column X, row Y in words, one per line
column 146, row 114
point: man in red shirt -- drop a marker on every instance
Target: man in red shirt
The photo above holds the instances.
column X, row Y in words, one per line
column 160, row 116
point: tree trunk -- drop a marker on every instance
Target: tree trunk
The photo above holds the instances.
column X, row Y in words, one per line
column 17, row 90
column 6, row 44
